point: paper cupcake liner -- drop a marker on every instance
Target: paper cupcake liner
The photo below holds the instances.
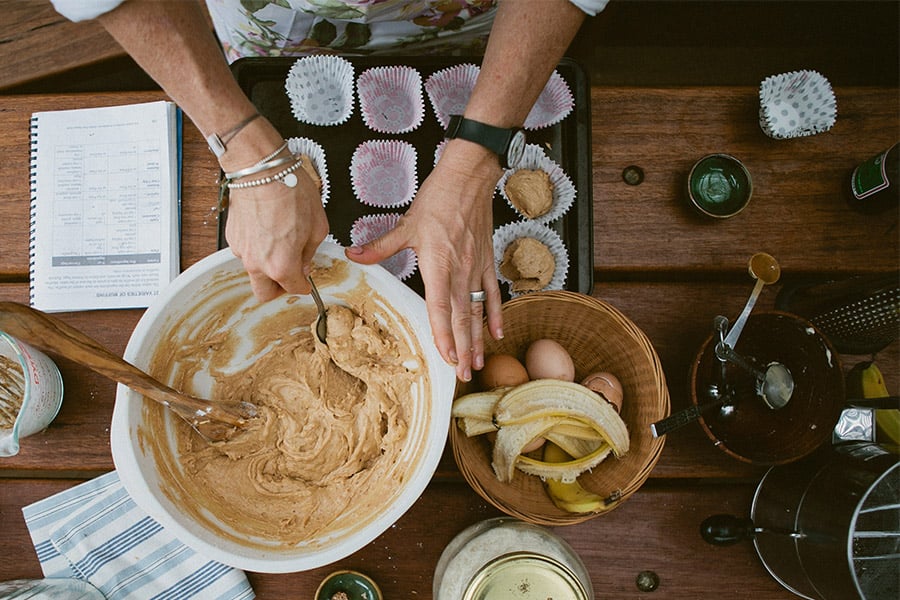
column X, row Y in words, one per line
column 369, row 227
column 534, row 158
column 552, row 106
column 383, row 173
column 449, row 90
column 438, row 151
column 320, row 89
column 796, row 104
column 316, row 154
column 390, row 99
column 506, row 234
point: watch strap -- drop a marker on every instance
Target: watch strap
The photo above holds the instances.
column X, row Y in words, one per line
column 495, row 139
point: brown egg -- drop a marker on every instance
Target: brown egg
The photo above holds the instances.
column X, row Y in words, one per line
column 608, row 386
column 547, row 359
column 501, row 370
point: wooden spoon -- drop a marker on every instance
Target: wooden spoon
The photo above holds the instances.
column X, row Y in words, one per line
column 214, row 421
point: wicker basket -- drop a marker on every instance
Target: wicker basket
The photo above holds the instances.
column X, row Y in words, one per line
column 599, row 338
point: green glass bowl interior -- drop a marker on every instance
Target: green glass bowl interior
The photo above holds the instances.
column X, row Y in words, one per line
column 719, row 186
column 355, row 585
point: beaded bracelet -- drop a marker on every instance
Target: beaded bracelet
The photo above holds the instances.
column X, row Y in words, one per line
column 285, row 176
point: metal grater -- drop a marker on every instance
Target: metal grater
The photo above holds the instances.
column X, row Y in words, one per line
column 859, row 315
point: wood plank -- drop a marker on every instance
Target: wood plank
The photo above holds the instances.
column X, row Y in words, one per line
column 39, row 42
column 656, row 529
column 199, row 175
column 675, row 316
column 796, row 213
column 637, row 229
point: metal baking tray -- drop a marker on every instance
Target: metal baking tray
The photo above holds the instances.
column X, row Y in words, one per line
column 567, row 143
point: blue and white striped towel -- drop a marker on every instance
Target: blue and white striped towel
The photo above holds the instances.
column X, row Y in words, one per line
column 95, row 532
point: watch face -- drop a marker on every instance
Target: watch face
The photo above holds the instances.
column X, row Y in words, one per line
column 516, row 149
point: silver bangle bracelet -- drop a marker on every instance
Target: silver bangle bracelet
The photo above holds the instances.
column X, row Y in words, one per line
column 263, row 165
column 285, row 176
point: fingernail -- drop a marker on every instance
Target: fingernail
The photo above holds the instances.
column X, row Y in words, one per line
column 467, row 375
column 307, row 269
column 357, row 250
column 453, row 357
column 499, row 334
column 478, row 362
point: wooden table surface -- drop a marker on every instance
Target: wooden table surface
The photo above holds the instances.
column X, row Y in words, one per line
column 666, row 268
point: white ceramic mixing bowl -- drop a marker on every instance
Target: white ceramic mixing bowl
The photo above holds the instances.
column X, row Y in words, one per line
column 138, row 468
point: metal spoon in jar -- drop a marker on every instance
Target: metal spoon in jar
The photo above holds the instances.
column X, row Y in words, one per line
column 321, row 325
column 766, row 270
column 775, row 384
column 214, row 421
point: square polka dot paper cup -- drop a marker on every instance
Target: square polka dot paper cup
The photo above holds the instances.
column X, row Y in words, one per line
column 796, row 104
column 320, row 89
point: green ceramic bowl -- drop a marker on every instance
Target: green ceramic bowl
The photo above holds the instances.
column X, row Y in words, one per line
column 719, row 186
column 353, row 584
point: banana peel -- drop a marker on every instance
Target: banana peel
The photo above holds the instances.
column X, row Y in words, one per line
column 577, row 419
column 570, row 497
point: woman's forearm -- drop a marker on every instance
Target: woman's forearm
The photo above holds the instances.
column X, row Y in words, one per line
column 172, row 42
column 527, row 40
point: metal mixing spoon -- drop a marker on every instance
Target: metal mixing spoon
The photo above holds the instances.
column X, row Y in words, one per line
column 321, row 325
column 765, row 269
column 775, row 384
column 214, row 421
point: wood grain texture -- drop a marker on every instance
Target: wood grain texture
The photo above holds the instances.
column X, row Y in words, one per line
column 797, row 212
column 657, row 529
column 39, row 42
column 666, row 269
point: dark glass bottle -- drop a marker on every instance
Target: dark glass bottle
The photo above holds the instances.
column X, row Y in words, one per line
column 875, row 184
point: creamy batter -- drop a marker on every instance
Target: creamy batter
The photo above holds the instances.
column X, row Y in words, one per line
column 327, row 447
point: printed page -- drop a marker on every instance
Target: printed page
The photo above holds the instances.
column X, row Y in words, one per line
column 105, row 206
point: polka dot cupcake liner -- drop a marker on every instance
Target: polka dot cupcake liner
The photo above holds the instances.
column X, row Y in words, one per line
column 390, row 99
column 552, row 106
column 796, row 104
column 383, row 173
column 369, row 227
column 320, row 89
column 449, row 90
column 316, row 154
column 563, row 195
column 507, row 234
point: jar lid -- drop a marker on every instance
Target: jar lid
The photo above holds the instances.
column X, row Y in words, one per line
column 525, row 576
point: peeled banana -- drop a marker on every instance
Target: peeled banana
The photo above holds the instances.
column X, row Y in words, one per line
column 574, row 417
column 865, row 380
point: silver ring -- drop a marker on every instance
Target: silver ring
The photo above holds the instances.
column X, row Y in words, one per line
column 478, row 296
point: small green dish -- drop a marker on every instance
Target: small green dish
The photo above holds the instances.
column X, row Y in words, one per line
column 354, row 585
column 719, row 186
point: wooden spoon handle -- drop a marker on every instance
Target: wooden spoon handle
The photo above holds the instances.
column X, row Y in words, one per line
column 55, row 336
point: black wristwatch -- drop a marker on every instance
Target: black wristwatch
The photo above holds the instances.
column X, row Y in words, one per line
column 508, row 144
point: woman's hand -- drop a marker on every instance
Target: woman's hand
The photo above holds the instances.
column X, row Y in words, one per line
column 449, row 226
column 275, row 230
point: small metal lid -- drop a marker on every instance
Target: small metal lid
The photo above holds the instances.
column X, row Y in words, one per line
column 525, row 576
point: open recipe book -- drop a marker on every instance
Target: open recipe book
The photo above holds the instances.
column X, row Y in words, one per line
column 105, row 195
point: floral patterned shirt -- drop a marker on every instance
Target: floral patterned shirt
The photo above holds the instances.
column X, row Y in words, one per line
column 297, row 27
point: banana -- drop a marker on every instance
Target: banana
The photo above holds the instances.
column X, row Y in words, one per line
column 570, row 497
column 543, row 398
column 578, row 420
column 533, row 409
column 865, row 380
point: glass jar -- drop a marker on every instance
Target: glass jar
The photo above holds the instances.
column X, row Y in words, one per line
column 504, row 556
